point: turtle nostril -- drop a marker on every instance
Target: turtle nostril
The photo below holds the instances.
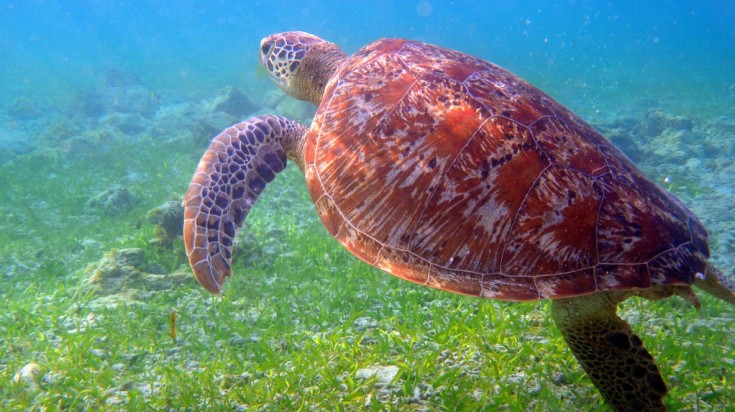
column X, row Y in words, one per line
column 265, row 47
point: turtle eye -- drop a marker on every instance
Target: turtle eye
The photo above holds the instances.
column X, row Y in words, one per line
column 266, row 47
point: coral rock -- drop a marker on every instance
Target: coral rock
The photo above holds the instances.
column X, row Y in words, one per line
column 658, row 121
column 384, row 374
column 169, row 220
column 120, row 78
column 233, row 102
column 209, row 125
column 113, row 201
column 29, row 376
column 25, row 109
column 122, row 270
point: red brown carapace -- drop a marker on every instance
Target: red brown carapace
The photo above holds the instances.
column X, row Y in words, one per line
column 449, row 171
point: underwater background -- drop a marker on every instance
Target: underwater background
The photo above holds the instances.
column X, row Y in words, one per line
column 107, row 106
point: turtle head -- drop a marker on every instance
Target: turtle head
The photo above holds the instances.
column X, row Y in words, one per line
column 300, row 63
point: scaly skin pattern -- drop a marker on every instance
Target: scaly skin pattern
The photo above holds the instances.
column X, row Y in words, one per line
column 232, row 173
column 610, row 352
column 449, row 171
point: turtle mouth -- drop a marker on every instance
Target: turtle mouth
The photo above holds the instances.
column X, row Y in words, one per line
column 266, row 46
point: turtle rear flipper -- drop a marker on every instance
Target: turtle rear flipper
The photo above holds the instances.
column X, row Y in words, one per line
column 717, row 284
column 612, row 355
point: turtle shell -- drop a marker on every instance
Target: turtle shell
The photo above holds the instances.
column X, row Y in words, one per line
column 449, row 171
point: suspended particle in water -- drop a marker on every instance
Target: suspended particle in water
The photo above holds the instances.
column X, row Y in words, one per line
column 424, row 8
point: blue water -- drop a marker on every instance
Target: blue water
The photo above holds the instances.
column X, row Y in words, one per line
column 586, row 53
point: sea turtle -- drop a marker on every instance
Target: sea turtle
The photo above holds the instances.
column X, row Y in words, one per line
column 449, row 171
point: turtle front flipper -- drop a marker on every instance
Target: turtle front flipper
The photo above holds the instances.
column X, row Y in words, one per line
column 612, row 355
column 232, row 173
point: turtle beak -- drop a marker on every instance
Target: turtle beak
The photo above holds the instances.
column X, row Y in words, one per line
column 266, row 45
